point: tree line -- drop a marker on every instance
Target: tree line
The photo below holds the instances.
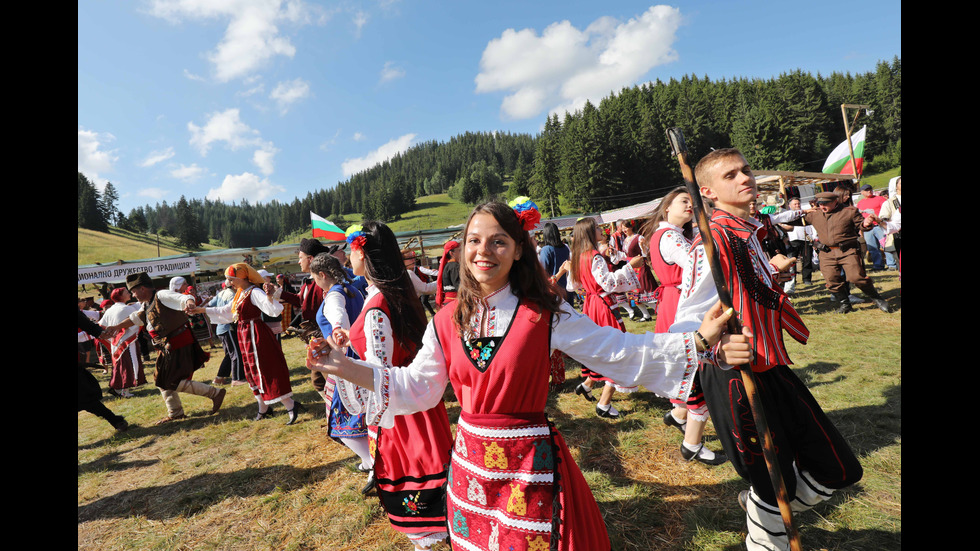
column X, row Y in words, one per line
column 600, row 157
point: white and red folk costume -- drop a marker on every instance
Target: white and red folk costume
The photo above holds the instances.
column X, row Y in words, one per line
column 814, row 458
column 127, row 363
column 264, row 364
column 647, row 282
column 600, row 284
column 668, row 254
column 411, row 452
column 513, row 482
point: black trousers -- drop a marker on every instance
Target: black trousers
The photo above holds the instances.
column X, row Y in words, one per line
column 804, row 251
column 231, row 364
column 800, row 430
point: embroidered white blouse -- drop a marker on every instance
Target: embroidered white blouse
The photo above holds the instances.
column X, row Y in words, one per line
column 617, row 281
column 664, row 363
column 674, row 247
column 227, row 313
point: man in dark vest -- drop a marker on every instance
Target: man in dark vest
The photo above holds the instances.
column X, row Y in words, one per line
column 162, row 313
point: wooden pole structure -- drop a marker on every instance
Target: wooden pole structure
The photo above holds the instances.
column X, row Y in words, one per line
column 847, row 130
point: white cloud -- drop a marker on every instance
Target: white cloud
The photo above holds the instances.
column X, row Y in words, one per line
column 263, row 159
column 328, row 144
column 225, row 126
column 252, row 38
column 360, row 19
column 386, row 151
column 358, row 136
column 153, row 193
column 563, row 66
column 93, row 159
column 157, row 157
column 191, row 76
column 188, row 173
column 248, row 186
column 391, row 72
column 287, row 93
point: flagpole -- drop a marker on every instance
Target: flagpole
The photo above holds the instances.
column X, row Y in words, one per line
column 847, row 130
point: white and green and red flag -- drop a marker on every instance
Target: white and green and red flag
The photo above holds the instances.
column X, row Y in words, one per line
column 839, row 161
column 325, row 228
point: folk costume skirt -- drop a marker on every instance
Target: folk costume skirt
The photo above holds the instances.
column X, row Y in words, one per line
column 513, row 485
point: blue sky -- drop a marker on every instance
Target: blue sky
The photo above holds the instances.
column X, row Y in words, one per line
column 269, row 99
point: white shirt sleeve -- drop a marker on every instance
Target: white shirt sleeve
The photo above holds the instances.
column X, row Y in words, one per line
column 220, row 314
column 618, row 281
column 785, row 216
column 698, row 292
column 664, row 363
column 674, row 248
column 422, row 288
column 335, row 310
column 397, row 390
column 266, row 304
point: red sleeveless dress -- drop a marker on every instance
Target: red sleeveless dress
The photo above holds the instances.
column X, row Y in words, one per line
column 264, row 364
column 513, row 483
column 601, row 309
column 669, row 275
column 410, row 458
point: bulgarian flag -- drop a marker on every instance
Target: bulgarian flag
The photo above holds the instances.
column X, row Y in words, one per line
column 325, row 228
column 839, row 161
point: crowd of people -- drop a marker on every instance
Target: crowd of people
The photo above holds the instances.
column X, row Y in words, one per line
column 495, row 321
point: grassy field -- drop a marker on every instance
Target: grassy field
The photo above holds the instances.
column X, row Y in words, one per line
column 227, row 482
column 94, row 246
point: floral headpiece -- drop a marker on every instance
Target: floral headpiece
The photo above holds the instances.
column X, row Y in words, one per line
column 526, row 211
column 356, row 237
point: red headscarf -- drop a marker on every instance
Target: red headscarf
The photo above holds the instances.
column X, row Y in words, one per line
column 440, row 295
column 117, row 294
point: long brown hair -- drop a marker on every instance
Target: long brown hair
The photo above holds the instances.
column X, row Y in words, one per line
column 583, row 242
column 528, row 279
column 660, row 214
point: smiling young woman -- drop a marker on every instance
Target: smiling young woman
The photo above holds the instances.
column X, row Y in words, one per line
column 512, row 480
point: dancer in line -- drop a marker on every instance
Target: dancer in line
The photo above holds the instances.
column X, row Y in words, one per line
column 265, row 365
column 341, row 305
column 594, row 274
column 671, row 233
column 513, row 482
column 411, row 452
column 814, row 458
column 127, row 366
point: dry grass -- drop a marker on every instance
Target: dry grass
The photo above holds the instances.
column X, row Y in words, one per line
column 226, row 482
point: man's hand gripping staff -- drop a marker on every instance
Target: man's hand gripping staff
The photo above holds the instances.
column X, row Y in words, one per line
column 676, row 138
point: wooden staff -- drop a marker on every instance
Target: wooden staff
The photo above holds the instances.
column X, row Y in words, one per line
column 676, row 139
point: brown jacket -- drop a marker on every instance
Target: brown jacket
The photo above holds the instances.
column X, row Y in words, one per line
column 174, row 364
column 841, row 226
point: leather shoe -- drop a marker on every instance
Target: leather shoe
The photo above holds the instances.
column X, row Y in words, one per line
column 671, row 422
column 743, row 500
column 608, row 414
column 294, row 413
column 582, row 391
column 371, row 482
column 217, row 400
column 690, row 456
column 263, row 414
column 169, row 418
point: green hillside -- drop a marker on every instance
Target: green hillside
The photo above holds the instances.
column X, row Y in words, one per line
column 94, row 246
column 433, row 211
